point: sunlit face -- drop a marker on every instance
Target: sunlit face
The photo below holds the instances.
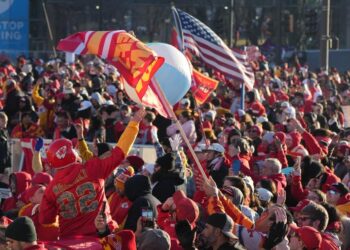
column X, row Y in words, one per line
column 289, row 142
column 304, row 220
column 62, row 122
column 210, row 155
column 209, row 235
column 3, row 123
column 332, row 197
column 201, row 156
column 13, row 244
column 313, row 184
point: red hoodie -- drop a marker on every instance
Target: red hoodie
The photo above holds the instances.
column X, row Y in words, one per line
column 23, row 182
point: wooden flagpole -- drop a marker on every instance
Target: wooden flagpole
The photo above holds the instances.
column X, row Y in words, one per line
column 182, row 132
column 49, row 28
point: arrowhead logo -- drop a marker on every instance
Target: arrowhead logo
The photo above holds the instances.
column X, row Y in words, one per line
column 61, row 152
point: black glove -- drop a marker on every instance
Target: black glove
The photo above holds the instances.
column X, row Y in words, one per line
column 277, row 233
column 185, row 234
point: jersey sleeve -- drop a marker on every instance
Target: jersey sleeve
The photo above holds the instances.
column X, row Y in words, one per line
column 48, row 209
column 84, row 151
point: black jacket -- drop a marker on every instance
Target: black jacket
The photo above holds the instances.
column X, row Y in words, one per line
column 138, row 190
column 5, row 156
column 167, row 182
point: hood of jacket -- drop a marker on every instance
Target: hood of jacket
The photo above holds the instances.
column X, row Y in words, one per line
column 171, row 177
column 23, row 181
column 137, row 186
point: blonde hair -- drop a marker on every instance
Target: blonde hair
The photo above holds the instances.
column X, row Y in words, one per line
column 276, row 165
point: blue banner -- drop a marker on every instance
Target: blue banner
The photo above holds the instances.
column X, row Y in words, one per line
column 14, row 27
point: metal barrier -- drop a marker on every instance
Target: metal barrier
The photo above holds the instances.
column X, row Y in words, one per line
column 146, row 152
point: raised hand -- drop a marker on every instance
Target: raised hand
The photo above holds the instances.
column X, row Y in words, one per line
column 297, row 167
column 209, row 187
column 281, row 197
column 175, row 142
column 138, row 116
column 79, row 129
column 39, row 144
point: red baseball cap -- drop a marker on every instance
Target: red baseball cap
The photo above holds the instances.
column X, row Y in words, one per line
column 135, row 161
column 301, row 204
column 310, row 236
column 186, row 209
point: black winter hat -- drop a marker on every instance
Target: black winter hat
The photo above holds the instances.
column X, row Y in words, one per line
column 166, row 162
column 340, row 188
column 21, row 229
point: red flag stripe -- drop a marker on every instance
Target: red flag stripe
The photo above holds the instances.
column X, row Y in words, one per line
column 102, row 47
column 215, row 58
column 200, row 39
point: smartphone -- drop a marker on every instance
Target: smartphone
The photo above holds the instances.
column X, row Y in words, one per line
column 236, row 167
column 147, row 218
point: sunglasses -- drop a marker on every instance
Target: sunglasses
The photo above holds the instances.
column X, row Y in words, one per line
column 332, row 192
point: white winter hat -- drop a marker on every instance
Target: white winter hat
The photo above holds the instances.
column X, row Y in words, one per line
column 264, row 194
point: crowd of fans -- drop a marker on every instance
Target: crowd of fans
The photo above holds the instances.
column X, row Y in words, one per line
column 277, row 169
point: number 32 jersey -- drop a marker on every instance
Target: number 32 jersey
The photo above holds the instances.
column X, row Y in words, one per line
column 76, row 195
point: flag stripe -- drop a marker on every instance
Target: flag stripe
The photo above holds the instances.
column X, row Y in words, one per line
column 202, row 41
column 215, row 53
column 102, row 43
column 107, row 44
column 213, row 59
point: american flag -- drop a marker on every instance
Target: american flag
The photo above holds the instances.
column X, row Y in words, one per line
column 203, row 42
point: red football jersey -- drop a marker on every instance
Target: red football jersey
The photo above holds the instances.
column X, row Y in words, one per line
column 76, row 194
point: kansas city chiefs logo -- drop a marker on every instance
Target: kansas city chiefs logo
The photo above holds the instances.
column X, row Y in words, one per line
column 61, row 152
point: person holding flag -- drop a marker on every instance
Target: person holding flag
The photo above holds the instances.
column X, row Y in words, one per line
column 76, row 193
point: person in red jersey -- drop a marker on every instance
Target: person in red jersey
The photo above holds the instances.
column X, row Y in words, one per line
column 76, row 193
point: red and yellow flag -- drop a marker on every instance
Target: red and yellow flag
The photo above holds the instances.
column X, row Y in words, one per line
column 203, row 86
column 134, row 60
